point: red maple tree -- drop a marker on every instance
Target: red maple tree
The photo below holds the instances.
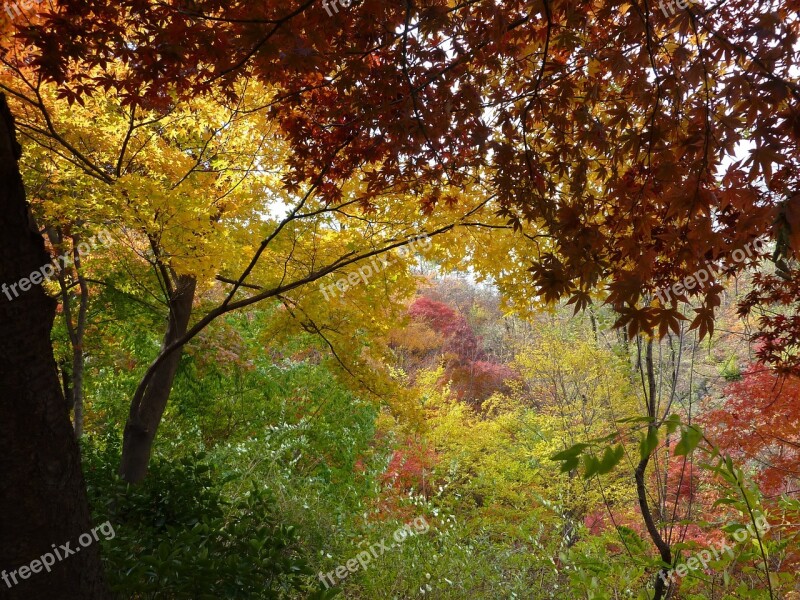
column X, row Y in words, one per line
column 760, row 426
column 473, row 375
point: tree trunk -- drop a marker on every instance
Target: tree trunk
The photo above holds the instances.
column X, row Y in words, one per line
column 145, row 416
column 661, row 585
column 77, row 390
column 77, row 334
column 43, row 499
column 76, row 330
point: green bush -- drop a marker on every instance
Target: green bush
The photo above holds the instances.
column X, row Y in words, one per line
column 177, row 537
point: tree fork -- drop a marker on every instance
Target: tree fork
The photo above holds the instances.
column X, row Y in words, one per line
column 146, row 412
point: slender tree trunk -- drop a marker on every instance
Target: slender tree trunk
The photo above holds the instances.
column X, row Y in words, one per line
column 42, row 492
column 78, row 358
column 75, row 329
column 66, row 380
column 77, row 390
column 78, row 334
column 145, row 416
column 593, row 320
column 664, row 550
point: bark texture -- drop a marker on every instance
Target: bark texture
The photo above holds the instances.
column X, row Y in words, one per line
column 42, row 492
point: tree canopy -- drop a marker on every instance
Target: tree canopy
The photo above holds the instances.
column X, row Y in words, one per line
column 514, row 281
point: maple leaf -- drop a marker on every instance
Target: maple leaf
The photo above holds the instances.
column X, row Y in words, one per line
column 703, row 321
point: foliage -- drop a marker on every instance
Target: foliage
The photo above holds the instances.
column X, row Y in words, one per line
column 314, row 473
column 616, row 135
column 177, row 536
column 774, row 301
column 757, row 426
column 580, row 156
column 471, row 373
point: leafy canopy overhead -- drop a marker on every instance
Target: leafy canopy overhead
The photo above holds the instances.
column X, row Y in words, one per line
column 644, row 143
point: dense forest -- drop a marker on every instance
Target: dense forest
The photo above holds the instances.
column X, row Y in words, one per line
column 438, row 299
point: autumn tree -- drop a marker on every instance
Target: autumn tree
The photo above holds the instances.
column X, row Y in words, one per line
column 174, row 186
column 471, row 373
column 191, row 193
column 608, row 127
column 759, row 425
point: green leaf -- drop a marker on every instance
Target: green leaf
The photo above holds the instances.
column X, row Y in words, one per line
column 726, row 501
column 673, row 422
column 591, row 466
column 690, row 438
column 648, row 443
column 611, row 458
column 569, row 464
column 570, row 453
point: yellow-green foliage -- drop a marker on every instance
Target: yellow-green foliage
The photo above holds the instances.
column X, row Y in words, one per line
column 585, row 389
column 498, row 460
column 495, row 454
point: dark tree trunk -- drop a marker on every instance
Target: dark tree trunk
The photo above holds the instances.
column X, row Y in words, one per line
column 145, row 415
column 42, row 492
column 661, row 587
